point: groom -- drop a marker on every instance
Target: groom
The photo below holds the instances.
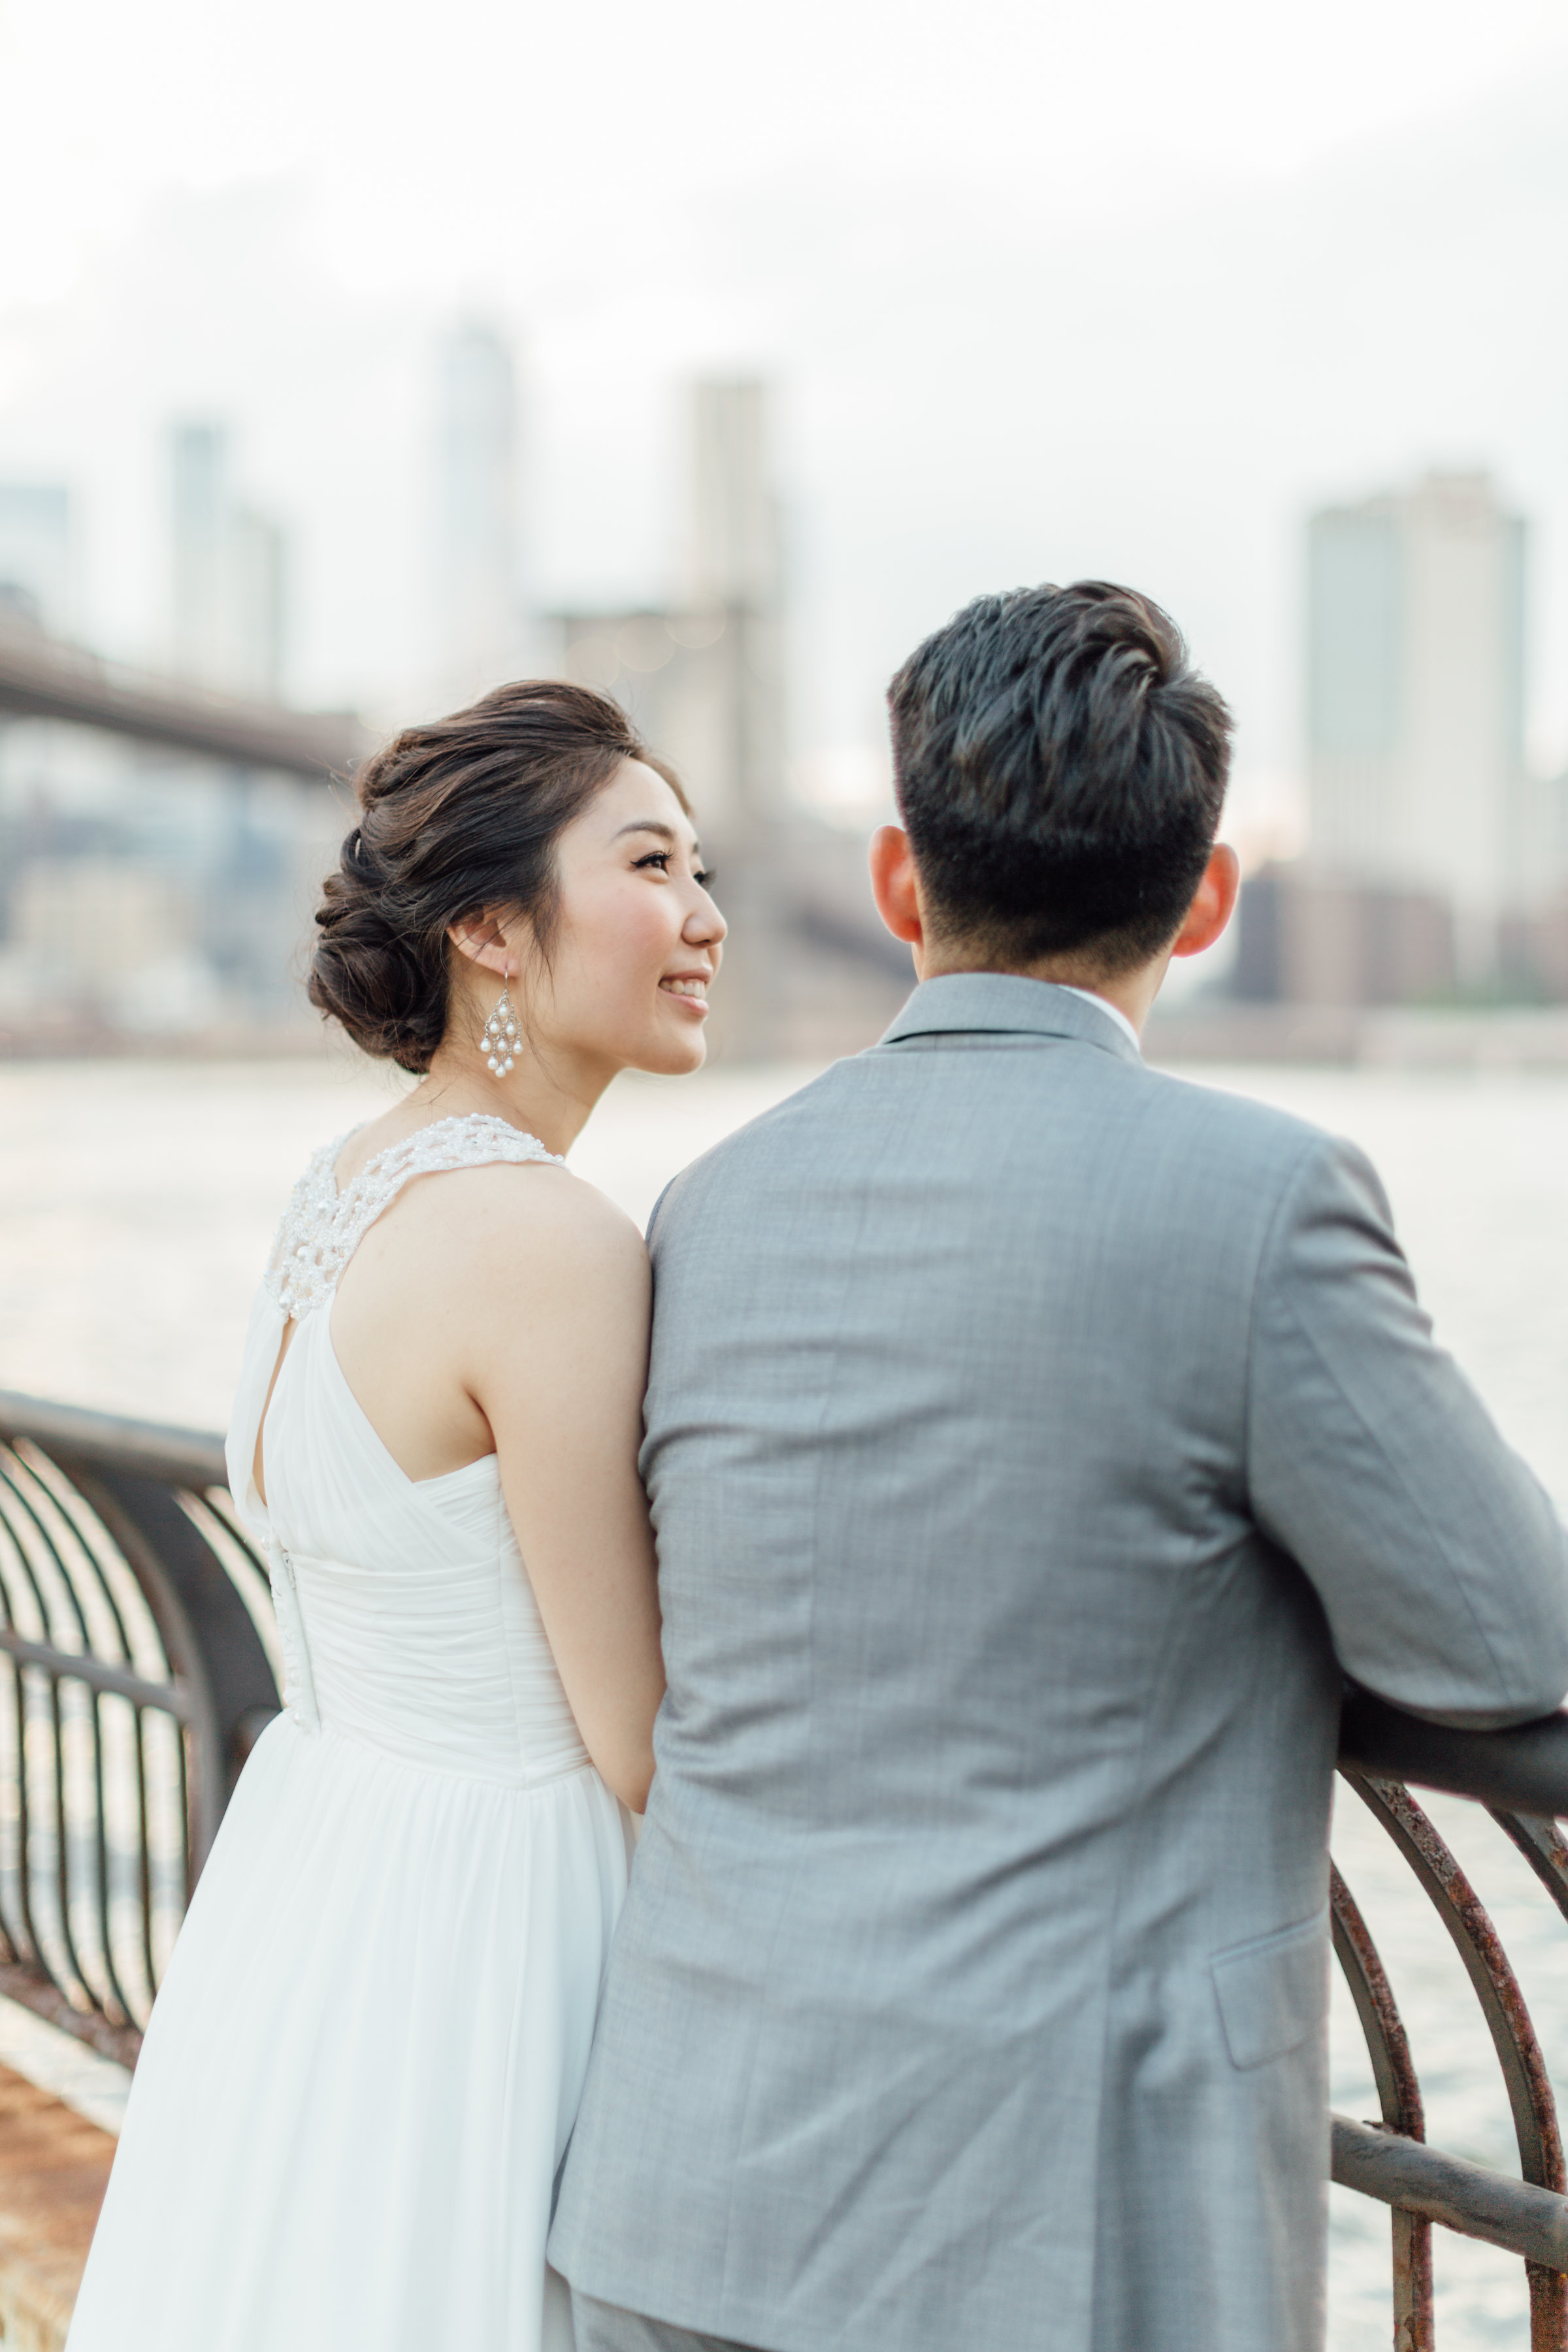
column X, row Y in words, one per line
column 1035, row 1443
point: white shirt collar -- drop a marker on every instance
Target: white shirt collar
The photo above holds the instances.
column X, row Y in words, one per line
column 1105, row 1005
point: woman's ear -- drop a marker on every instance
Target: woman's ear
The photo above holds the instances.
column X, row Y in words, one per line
column 482, row 941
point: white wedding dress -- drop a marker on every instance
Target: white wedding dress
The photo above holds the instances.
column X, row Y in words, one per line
column 364, row 2066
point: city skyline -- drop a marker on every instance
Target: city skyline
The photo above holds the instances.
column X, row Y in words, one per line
column 1434, row 859
column 988, row 370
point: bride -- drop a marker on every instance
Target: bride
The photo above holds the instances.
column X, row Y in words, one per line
column 363, row 2064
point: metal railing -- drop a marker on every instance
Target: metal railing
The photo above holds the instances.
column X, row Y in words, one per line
column 137, row 1667
column 1521, row 1779
column 138, row 1663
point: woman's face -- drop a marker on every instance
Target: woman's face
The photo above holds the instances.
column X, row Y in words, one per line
column 637, row 938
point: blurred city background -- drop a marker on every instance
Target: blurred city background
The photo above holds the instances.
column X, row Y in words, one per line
column 715, row 363
column 352, row 359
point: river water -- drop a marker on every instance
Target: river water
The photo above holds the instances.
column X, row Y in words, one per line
column 137, row 1199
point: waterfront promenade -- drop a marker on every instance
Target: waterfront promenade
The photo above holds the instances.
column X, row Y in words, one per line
column 137, row 1199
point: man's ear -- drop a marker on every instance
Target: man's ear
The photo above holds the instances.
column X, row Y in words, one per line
column 1214, row 903
column 893, row 885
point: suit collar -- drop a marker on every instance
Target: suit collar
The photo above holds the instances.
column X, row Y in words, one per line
column 1004, row 1004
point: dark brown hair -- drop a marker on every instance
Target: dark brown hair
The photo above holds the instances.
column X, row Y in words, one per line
column 1061, row 769
column 457, row 817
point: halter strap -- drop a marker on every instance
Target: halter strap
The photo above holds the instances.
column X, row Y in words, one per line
column 322, row 1227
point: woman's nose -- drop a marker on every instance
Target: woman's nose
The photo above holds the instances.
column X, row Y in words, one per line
column 705, row 923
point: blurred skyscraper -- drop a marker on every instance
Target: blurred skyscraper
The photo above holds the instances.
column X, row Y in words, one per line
column 734, row 572
column 227, row 575
column 807, row 969
column 732, row 556
column 1431, row 852
column 478, row 565
column 703, row 674
column 1416, row 700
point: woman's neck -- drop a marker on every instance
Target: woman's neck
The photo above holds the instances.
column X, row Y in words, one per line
column 539, row 1097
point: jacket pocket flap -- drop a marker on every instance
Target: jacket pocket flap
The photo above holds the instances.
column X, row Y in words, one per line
column 1273, row 1991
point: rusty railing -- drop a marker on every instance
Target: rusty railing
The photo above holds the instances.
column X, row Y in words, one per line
column 1521, row 1779
column 136, row 1669
column 137, row 1663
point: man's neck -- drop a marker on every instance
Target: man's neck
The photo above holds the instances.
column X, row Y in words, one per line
column 1132, row 992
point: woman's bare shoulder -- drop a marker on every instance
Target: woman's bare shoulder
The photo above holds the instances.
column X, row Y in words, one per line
column 507, row 1226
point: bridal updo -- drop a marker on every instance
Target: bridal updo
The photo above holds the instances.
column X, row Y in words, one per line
column 455, row 817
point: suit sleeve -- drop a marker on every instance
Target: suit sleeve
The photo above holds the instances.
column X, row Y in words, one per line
column 1437, row 1557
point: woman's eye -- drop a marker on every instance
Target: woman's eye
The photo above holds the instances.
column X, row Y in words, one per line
column 705, row 880
column 659, row 857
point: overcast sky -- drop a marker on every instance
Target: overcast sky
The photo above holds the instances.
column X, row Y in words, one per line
column 1048, row 291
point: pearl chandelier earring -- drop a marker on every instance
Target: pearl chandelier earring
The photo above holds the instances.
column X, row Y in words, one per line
column 499, row 1040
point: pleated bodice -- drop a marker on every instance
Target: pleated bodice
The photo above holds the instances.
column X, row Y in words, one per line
column 406, row 1613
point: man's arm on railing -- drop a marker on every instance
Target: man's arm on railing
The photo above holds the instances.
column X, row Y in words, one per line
column 1439, row 1558
column 1522, row 1770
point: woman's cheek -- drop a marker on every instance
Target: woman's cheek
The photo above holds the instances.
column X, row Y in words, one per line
column 649, row 927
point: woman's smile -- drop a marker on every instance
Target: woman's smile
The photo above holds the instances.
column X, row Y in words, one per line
column 690, row 987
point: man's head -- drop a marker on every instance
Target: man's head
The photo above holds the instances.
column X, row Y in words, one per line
column 1060, row 772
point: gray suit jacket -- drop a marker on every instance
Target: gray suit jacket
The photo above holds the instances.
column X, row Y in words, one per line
column 1034, row 1440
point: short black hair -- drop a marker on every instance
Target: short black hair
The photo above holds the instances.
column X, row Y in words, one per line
column 1061, row 770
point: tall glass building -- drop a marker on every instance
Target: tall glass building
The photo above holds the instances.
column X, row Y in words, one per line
column 1415, row 703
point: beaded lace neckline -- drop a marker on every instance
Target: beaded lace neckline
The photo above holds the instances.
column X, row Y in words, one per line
column 322, row 1227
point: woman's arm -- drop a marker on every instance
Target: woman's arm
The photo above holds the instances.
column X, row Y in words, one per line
column 557, row 1311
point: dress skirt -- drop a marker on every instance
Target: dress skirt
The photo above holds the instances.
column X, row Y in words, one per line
column 363, row 2067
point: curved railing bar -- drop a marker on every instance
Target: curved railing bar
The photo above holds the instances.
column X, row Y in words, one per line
column 1543, row 1845
column 206, row 1629
column 78, row 1546
column 23, row 1515
column 64, row 1500
column 42, row 1510
column 1486, row 1963
column 1399, row 2096
column 117, row 1569
column 22, row 1935
column 82, row 1555
column 1520, row 1774
column 24, row 1489
column 1388, row 2045
column 144, row 1849
column 127, row 1671
column 1513, row 2036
